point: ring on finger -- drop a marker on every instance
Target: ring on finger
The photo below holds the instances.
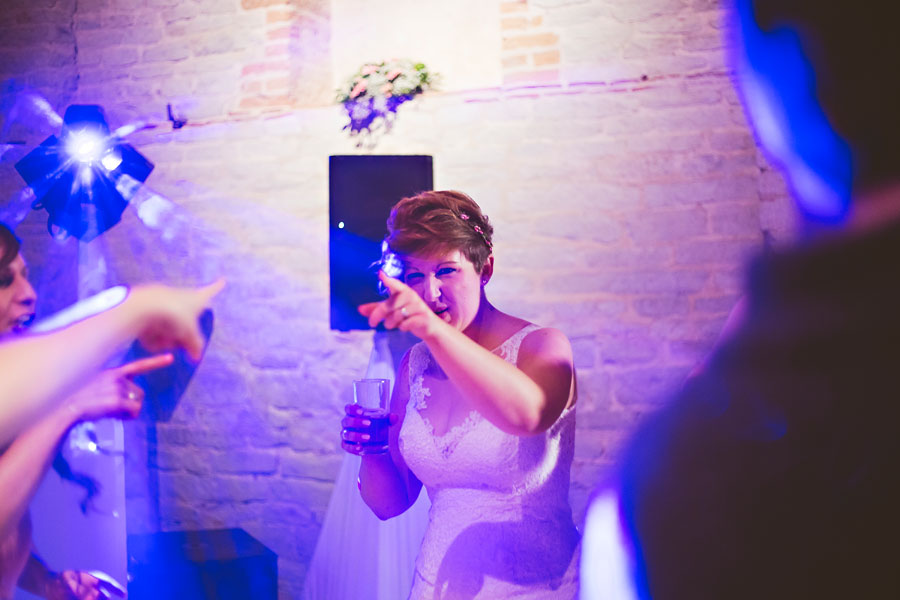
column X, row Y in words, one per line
column 403, row 312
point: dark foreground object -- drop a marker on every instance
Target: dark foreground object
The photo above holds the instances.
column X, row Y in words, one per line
column 221, row 564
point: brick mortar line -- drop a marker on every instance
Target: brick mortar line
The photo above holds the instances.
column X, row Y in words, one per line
column 491, row 94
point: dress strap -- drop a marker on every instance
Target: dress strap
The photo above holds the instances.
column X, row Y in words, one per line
column 418, row 362
column 509, row 349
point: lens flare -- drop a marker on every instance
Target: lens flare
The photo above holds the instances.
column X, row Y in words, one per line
column 111, row 160
column 85, row 146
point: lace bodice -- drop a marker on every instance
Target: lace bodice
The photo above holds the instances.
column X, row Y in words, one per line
column 500, row 525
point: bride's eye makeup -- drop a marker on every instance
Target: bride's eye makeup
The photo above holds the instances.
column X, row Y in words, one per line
column 413, row 278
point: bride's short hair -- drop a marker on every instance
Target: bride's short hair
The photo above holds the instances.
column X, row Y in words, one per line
column 437, row 222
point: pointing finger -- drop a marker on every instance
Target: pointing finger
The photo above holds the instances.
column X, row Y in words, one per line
column 393, row 285
column 144, row 365
column 366, row 309
column 209, row 292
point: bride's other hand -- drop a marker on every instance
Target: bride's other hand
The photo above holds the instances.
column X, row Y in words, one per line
column 404, row 310
column 358, row 429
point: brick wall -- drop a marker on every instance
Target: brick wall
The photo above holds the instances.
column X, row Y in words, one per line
column 530, row 48
column 614, row 160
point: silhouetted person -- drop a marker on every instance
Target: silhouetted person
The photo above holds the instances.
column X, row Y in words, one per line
column 776, row 472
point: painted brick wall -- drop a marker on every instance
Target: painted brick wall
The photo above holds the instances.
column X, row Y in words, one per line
column 530, row 48
column 614, row 160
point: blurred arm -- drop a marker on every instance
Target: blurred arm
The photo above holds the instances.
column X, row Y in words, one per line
column 24, row 463
column 38, row 370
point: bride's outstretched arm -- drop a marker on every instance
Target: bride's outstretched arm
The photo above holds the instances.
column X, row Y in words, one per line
column 520, row 399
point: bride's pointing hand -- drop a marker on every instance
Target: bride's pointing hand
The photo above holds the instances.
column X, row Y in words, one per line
column 404, row 310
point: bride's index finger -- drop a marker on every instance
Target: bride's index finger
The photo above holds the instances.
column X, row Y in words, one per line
column 366, row 309
column 392, row 284
column 377, row 313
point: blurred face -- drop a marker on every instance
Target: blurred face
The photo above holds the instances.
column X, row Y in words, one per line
column 449, row 285
column 17, row 297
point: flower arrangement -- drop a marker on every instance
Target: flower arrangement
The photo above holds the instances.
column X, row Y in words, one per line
column 373, row 94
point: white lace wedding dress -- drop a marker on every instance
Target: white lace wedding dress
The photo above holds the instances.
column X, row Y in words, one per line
column 500, row 525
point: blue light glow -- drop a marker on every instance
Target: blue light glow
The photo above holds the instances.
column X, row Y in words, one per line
column 778, row 89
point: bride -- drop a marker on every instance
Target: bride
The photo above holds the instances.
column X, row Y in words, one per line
column 482, row 415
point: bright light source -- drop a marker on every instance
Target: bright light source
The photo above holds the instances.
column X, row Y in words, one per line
column 341, row 225
column 84, row 178
column 111, row 160
column 84, row 146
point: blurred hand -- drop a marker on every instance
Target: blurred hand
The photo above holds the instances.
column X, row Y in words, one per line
column 172, row 316
column 73, row 585
column 112, row 393
column 404, row 310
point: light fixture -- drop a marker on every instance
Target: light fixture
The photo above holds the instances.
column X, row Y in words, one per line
column 85, row 177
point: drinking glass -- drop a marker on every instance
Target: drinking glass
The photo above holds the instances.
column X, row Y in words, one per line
column 372, row 395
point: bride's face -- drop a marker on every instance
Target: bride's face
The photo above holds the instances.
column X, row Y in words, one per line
column 448, row 283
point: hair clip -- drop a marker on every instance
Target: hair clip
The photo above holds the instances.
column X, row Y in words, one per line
column 478, row 230
column 486, row 241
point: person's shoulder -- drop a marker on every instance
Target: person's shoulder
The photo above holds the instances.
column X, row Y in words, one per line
column 412, row 354
column 414, row 360
column 404, row 360
column 546, row 341
column 664, row 450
